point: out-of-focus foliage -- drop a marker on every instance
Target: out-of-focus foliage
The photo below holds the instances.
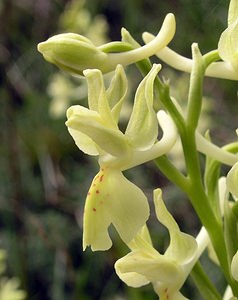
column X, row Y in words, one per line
column 43, row 176
column 9, row 287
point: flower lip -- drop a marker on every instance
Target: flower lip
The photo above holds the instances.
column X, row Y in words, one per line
column 113, row 199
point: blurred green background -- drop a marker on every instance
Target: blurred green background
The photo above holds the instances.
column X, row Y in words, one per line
column 44, row 177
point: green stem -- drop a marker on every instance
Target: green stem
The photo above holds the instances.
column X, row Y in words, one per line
column 197, row 194
column 204, row 210
column 172, row 173
column 204, row 284
column 206, row 214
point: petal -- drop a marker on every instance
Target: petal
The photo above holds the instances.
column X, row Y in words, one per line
column 142, row 128
column 132, row 279
column 232, row 180
column 153, row 267
column 234, row 266
column 166, row 294
column 182, row 246
column 233, row 12
column 116, row 92
column 177, row 296
column 228, row 45
column 83, row 142
column 91, row 124
column 113, row 199
column 97, row 99
column 141, row 240
column 161, row 147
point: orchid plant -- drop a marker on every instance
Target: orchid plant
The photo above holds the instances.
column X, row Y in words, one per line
column 112, row 198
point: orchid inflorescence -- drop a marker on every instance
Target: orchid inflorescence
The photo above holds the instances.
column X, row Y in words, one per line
column 112, row 198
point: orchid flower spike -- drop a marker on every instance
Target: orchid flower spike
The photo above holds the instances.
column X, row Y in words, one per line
column 167, row 272
column 112, row 198
column 75, row 53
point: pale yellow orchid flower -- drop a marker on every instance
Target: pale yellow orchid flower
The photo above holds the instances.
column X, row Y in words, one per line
column 74, row 53
column 112, row 198
column 167, row 272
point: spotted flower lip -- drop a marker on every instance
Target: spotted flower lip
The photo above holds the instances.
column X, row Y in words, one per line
column 75, row 53
column 112, row 198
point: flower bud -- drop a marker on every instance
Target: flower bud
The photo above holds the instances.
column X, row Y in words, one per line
column 72, row 52
column 75, row 53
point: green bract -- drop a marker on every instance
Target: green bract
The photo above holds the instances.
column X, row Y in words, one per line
column 166, row 272
column 112, row 198
column 75, row 53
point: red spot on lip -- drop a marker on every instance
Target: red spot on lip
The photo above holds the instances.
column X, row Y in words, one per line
column 101, row 177
column 166, row 293
column 97, row 192
column 94, row 209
